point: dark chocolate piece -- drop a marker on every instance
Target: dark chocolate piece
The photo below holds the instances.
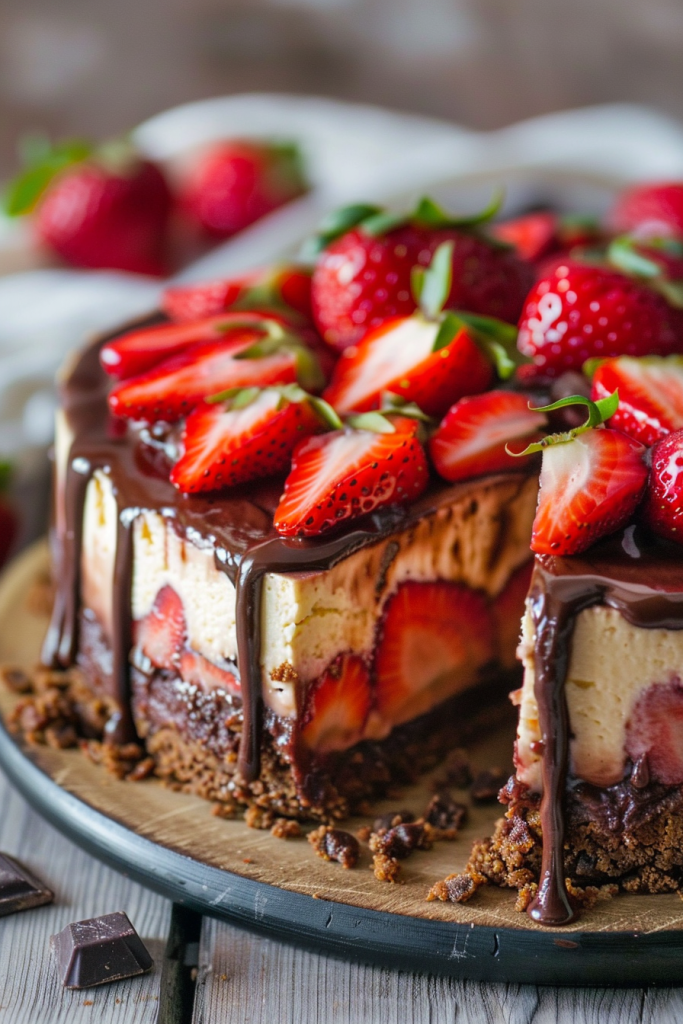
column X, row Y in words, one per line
column 445, row 813
column 99, row 950
column 19, row 889
column 335, row 844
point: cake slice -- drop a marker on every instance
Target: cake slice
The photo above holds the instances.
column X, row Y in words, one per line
column 301, row 676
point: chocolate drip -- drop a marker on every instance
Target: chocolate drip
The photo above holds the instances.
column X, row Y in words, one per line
column 609, row 574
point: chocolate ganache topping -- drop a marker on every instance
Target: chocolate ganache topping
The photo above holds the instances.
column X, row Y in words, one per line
column 611, row 573
column 239, row 530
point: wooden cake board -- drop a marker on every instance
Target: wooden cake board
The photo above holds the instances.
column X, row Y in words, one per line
column 172, row 843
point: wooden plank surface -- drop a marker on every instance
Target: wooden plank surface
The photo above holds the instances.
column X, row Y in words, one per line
column 30, row 991
column 245, row 979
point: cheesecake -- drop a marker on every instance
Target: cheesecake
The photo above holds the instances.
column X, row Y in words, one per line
column 292, row 548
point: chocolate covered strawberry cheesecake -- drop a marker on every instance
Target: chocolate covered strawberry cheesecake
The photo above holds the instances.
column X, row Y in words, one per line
column 292, row 548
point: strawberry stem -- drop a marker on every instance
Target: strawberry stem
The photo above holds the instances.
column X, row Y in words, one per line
column 598, row 413
column 42, row 163
column 431, row 285
column 373, row 421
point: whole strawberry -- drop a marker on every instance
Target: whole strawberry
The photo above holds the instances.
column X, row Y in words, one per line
column 236, row 183
column 362, row 275
column 103, row 209
column 650, row 211
column 663, row 505
column 580, row 311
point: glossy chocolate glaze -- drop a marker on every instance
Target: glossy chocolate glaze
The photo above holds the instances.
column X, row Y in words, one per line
column 610, row 573
column 238, row 530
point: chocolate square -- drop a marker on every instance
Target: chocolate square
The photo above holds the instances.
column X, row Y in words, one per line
column 99, row 950
column 19, row 889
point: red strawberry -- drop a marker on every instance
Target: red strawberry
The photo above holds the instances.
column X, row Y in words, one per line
column 348, row 473
column 236, row 183
column 363, row 278
column 400, row 357
column 650, row 395
column 654, row 732
column 250, row 437
column 270, row 288
column 592, row 479
column 433, row 639
column 507, row 611
column 532, row 235
column 663, row 506
column 142, row 348
column 337, row 706
column 471, row 439
column 198, row 671
column 105, row 209
column 650, row 211
column 161, row 634
column 581, row 311
column 172, row 389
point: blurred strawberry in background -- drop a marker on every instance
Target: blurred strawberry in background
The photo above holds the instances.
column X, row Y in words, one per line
column 8, row 518
column 103, row 208
column 235, row 183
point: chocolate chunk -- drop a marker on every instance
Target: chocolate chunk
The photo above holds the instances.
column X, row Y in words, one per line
column 99, row 950
column 390, row 820
column 400, row 841
column 445, row 813
column 335, row 844
column 487, row 784
column 19, row 889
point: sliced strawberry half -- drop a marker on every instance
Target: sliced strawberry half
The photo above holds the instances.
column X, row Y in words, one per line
column 337, row 706
column 403, row 357
column 592, row 479
column 250, row 435
column 335, row 477
column 433, row 639
column 198, row 671
column 161, row 634
column 471, row 439
column 654, row 732
column 176, row 386
column 268, row 288
column 650, row 395
column 139, row 350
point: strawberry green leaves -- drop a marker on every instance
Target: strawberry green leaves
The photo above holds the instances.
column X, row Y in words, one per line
column 43, row 162
column 598, row 414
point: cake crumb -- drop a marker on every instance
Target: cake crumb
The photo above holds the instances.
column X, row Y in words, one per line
column 390, row 820
column 15, row 679
column 227, row 811
column 363, row 833
column 285, row 828
column 457, row 888
column 335, row 844
column 257, row 817
column 445, row 816
column 525, row 896
column 385, row 868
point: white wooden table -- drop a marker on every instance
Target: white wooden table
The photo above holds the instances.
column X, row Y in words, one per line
column 241, row 978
